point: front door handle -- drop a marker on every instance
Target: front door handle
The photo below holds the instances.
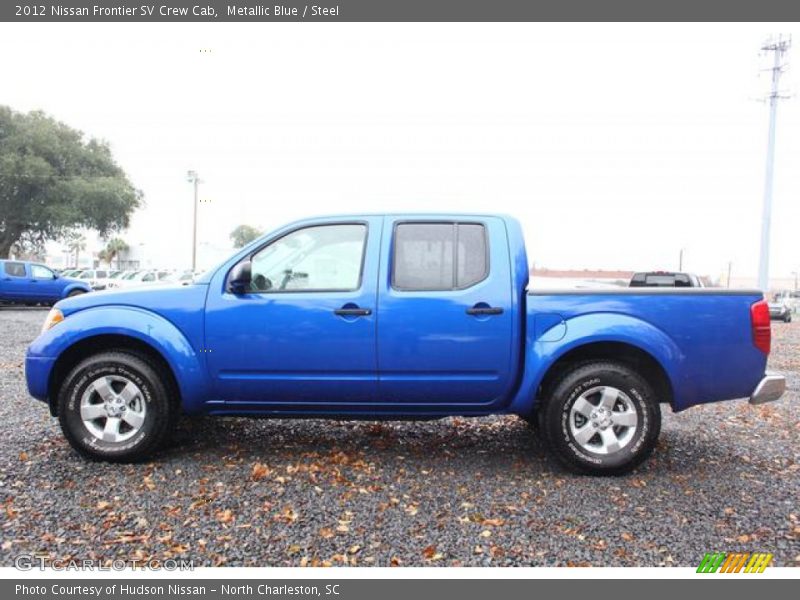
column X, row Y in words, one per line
column 485, row 310
column 353, row 312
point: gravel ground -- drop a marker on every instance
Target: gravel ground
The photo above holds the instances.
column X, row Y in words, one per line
column 476, row 492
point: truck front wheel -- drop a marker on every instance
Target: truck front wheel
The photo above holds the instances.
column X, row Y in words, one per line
column 602, row 418
column 115, row 406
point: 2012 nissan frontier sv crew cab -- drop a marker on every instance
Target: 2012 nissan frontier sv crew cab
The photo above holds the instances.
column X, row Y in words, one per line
column 397, row 317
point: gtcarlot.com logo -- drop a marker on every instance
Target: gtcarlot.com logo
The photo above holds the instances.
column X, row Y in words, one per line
column 735, row 562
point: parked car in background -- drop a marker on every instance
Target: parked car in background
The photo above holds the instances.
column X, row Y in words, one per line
column 71, row 273
column 780, row 309
column 398, row 317
column 138, row 278
column 182, row 277
column 97, row 278
column 789, row 298
column 23, row 282
column 665, row 279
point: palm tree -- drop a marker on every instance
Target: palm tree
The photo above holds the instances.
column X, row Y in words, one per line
column 114, row 248
column 75, row 242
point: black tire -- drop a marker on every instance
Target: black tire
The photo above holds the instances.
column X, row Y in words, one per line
column 75, row 293
column 787, row 318
column 637, row 395
column 160, row 406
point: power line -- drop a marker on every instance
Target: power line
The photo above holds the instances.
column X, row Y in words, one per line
column 778, row 47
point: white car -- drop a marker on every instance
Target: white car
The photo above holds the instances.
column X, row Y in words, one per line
column 138, row 278
column 96, row 278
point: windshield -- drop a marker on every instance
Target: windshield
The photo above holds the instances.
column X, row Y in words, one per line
column 130, row 275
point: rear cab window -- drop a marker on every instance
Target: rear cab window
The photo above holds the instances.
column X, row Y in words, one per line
column 439, row 256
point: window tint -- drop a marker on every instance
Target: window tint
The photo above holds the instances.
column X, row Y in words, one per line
column 425, row 258
column 318, row 258
column 15, row 269
column 471, row 254
column 41, row 272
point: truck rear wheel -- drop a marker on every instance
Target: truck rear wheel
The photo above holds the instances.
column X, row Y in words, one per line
column 602, row 418
column 115, row 406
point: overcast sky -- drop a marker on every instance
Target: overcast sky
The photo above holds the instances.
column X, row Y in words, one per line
column 615, row 145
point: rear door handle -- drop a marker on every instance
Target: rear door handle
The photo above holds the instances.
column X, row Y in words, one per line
column 352, row 312
column 485, row 310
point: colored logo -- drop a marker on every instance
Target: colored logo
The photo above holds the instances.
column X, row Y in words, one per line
column 735, row 562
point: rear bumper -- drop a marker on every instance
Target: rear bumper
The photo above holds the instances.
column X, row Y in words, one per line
column 769, row 389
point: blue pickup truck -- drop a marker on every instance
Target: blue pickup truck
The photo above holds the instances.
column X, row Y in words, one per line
column 397, row 317
column 23, row 282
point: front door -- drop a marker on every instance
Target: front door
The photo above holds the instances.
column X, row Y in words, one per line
column 305, row 330
column 445, row 324
column 45, row 284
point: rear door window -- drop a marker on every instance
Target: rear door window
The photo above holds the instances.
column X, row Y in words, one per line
column 15, row 269
column 439, row 256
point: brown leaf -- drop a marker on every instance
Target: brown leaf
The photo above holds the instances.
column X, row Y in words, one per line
column 23, row 456
column 429, row 552
column 259, row 471
column 326, row 533
column 149, row 483
column 225, row 516
column 103, row 505
column 627, row 537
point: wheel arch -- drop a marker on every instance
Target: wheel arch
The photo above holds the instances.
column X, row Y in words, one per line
column 615, row 351
column 96, row 344
column 73, row 287
column 133, row 328
column 600, row 336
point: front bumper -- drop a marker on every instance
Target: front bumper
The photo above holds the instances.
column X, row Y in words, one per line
column 769, row 389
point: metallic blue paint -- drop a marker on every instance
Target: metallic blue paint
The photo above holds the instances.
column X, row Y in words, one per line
column 418, row 354
column 172, row 324
column 36, row 289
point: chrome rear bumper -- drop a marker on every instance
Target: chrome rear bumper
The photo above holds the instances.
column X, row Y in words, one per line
column 770, row 388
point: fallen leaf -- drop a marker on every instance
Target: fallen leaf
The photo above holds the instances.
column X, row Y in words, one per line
column 225, row 516
column 259, row 471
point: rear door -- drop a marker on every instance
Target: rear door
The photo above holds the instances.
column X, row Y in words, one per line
column 14, row 282
column 445, row 322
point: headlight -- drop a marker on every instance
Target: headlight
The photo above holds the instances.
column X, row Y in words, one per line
column 54, row 317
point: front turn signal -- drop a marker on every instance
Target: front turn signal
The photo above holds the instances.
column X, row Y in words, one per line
column 54, row 317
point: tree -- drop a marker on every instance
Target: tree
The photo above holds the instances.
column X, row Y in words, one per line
column 243, row 235
column 53, row 180
column 114, row 248
column 75, row 242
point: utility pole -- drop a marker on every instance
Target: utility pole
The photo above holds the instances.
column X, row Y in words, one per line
column 730, row 264
column 680, row 260
column 779, row 47
column 192, row 177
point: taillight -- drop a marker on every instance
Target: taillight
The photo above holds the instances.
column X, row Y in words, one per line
column 759, row 322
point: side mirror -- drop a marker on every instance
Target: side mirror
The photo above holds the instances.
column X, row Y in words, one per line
column 240, row 278
column 55, row 275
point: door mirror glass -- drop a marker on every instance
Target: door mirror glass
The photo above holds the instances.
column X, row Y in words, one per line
column 239, row 281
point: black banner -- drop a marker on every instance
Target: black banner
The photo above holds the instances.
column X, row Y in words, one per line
column 401, row 10
column 387, row 589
